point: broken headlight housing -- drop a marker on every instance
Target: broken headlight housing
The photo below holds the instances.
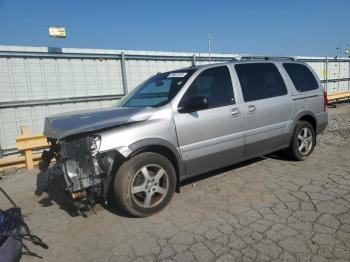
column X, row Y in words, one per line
column 93, row 144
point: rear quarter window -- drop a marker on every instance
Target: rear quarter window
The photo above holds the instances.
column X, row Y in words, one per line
column 301, row 77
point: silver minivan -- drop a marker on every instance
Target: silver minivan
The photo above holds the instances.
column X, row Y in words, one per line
column 180, row 124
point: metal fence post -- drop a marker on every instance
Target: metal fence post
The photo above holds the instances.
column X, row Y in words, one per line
column 326, row 86
column 193, row 60
column 338, row 84
column 123, row 71
column 349, row 77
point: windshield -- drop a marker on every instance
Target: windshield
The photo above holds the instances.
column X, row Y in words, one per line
column 157, row 90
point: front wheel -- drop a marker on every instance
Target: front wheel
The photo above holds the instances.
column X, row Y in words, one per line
column 145, row 184
column 303, row 141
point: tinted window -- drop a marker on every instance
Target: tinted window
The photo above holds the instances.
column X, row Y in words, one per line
column 301, row 76
column 260, row 80
column 214, row 84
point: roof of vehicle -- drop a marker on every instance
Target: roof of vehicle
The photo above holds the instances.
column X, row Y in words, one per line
column 262, row 57
column 243, row 58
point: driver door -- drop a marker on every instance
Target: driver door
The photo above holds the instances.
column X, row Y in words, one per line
column 213, row 137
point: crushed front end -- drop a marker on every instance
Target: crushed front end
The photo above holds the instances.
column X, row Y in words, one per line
column 87, row 173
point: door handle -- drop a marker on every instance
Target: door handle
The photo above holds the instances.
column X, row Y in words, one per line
column 235, row 112
column 251, row 108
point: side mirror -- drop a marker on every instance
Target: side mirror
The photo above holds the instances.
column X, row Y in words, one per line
column 194, row 104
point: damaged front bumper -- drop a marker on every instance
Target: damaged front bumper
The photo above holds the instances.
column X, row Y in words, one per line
column 86, row 172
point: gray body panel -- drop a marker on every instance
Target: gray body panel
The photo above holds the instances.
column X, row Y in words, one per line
column 210, row 139
column 266, row 126
column 266, row 123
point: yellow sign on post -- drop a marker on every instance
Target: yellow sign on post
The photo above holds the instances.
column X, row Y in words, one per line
column 57, row 31
column 324, row 72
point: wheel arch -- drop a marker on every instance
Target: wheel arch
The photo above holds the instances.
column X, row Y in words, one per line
column 309, row 118
column 164, row 148
column 303, row 116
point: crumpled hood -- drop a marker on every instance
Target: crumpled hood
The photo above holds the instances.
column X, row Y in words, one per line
column 71, row 123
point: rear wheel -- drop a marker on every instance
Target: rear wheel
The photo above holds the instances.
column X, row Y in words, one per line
column 303, row 141
column 145, row 184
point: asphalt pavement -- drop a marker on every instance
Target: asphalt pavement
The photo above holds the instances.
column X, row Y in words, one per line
column 266, row 209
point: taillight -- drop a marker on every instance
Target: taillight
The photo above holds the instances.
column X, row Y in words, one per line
column 325, row 101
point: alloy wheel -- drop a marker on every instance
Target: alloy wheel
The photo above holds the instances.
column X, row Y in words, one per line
column 305, row 142
column 149, row 186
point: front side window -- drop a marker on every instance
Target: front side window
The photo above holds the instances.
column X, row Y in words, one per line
column 214, row 84
column 158, row 90
column 260, row 81
column 301, row 77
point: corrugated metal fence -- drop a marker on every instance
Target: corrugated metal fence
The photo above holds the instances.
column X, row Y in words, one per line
column 40, row 81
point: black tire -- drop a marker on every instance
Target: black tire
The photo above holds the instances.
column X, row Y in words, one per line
column 131, row 175
column 293, row 150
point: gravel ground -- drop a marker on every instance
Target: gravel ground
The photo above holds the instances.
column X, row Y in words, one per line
column 267, row 209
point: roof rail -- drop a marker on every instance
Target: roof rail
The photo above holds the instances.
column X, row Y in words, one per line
column 262, row 57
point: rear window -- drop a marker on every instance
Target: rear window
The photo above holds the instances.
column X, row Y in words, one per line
column 260, row 81
column 301, row 76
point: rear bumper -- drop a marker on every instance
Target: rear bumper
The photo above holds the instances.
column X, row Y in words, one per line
column 321, row 122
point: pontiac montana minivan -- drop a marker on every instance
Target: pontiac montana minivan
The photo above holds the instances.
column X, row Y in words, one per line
column 182, row 123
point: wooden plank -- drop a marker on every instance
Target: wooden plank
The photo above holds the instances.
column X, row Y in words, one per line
column 25, row 143
column 8, row 160
column 17, row 161
column 20, row 165
column 31, row 136
column 336, row 96
column 29, row 159
column 28, row 142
